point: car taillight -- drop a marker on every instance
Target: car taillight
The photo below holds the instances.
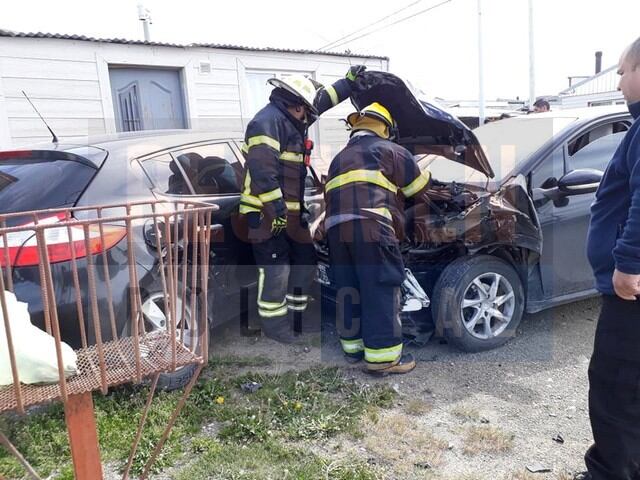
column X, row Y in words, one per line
column 12, row 154
column 23, row 250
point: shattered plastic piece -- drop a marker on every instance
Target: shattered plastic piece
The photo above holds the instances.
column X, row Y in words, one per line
column 538, row 468
column 251, row 387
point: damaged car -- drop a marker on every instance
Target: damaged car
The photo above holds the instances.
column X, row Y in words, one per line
column 503, row 227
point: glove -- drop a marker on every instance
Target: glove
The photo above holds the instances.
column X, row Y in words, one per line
column 279, row 225
column 355, row 72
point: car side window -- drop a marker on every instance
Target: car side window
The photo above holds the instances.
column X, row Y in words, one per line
column 549, row 171
column 212, row 169
column 165, row 175
column 594, row 134
column 596, row 154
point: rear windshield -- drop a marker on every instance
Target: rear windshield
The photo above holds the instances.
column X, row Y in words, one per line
column 31, row 184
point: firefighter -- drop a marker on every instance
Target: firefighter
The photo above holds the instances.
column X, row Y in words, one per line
column 365, row 191
column 276, row 149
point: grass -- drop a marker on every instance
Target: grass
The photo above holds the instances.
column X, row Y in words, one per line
column 308, row 405
column 238, row 361
column 417, row 407
column 486, row 439
column 268, row 460
column 397, row 439
column 466, row 413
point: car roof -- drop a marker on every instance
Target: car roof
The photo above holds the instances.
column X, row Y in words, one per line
column 586, row 113
column 135, row 144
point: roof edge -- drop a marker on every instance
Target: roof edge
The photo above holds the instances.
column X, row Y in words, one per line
column 123, row 41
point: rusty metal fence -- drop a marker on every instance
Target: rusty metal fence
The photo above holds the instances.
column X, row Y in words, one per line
column 76, row 254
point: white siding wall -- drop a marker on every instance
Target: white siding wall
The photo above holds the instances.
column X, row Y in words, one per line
column 69, row 83
column 599, row 88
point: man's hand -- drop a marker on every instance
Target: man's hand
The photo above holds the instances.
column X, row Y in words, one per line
column 279, row 225
column 626, row 286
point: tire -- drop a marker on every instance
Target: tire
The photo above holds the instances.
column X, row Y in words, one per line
column 469, row 280
column 154, row 293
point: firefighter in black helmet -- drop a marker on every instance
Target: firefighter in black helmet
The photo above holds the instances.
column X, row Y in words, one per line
column 364, row 193
column 275, row 147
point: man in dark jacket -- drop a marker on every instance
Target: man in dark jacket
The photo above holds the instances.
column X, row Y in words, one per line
column 613, row 249
column 367, row 183
column 275, row 148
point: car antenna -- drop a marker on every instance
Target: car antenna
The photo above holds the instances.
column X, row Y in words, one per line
column 55, row 139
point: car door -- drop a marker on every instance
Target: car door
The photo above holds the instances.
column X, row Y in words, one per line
column 210, row 173
column 564, row 268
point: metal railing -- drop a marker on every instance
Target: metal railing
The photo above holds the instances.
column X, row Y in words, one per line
column 78, row 258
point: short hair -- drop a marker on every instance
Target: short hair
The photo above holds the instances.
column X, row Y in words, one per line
column 542, row 103
column 633, row 53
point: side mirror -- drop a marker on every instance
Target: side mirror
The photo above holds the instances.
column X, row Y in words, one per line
column 580, row 182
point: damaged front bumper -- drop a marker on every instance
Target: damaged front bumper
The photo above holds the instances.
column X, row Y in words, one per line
column 414, row 298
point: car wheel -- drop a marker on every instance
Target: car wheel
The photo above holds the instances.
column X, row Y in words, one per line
column 156, row 318
column 478, row 303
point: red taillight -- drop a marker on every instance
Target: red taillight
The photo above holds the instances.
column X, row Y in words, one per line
column 22, row 246
column 11, row 154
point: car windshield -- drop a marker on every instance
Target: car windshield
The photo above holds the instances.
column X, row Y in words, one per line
column 506, row 143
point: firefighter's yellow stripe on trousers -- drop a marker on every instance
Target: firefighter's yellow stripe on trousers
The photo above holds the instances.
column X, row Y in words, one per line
column 383, row 355
column 268, row 309
column 352, row 346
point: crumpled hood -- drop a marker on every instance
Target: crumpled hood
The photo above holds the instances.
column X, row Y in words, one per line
column 424, row 128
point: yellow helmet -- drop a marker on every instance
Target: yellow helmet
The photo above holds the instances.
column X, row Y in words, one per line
column 375, row 110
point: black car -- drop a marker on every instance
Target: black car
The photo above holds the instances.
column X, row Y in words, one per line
column 171, row 165
column 505, row 225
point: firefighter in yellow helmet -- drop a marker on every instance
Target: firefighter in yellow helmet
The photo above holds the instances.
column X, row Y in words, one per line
column 275, row 147
column 365, row 191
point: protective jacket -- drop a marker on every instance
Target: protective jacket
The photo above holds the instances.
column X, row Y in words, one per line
column 274, row 148
column 365, row 179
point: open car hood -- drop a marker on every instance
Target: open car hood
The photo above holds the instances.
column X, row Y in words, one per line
column 424, row 128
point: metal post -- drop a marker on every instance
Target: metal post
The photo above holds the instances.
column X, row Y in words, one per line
column 480, row 68
column 83, row 437
column 144, row 15
column 532, row 60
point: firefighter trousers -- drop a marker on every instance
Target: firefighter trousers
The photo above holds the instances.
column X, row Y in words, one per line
column 614, row 392
column 367, row 269
column 286, row 268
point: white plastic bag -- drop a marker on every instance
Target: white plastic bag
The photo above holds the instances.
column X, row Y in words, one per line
column 35, row 350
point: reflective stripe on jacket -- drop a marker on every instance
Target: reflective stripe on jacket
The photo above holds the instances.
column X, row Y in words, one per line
column 274, row 152
column 366, row 178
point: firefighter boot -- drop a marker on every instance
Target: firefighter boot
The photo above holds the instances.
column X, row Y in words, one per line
column 280, row 330
column 404, row 364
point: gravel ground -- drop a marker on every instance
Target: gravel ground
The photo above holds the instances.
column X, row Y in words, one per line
column 516, row 398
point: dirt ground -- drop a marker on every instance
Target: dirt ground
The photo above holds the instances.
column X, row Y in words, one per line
column 461, row 416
